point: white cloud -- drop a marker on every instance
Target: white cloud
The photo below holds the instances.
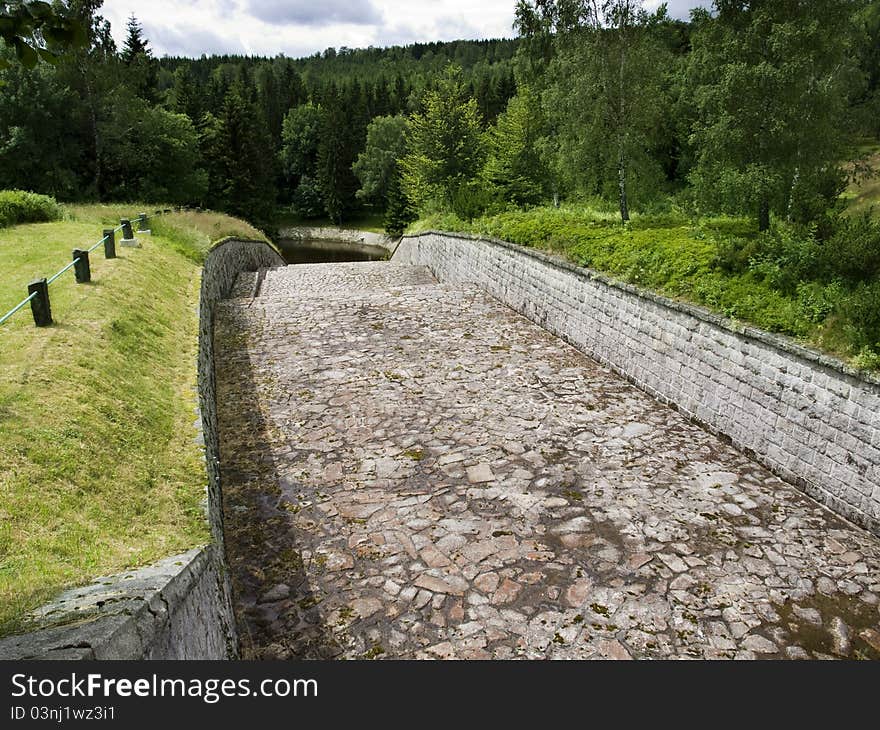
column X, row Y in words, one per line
column 308, row 12
column 302, row 27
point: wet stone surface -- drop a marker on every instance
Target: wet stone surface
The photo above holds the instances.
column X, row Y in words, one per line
column 412, row 470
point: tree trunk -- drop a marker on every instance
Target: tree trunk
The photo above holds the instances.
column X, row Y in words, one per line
column 622, row 121
column 791, row 190
column 621, row 184
column 96, row 131
column 764, row 214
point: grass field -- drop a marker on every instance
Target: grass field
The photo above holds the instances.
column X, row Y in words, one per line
column 100, row 468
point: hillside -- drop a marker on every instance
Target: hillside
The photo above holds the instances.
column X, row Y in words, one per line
column 101, row 466
column 822, row 293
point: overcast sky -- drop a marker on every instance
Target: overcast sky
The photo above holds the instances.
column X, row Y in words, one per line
column 302, row 27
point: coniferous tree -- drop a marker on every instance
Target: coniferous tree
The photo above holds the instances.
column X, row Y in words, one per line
column 445, row 147
column 399, row 212
column 239, row 157
column 137, row 56
column 135, row 44
column 336, row 154
column 515, row 169
column 184, row 96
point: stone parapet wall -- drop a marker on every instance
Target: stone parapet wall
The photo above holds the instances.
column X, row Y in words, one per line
column 808, row 417
column 175, row 609
column 225, row 261
column 340, row 235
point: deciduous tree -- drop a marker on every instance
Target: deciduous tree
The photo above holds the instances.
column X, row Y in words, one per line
column 773, row 82
column 604, row 90
column 377, row 165
column 515, row 170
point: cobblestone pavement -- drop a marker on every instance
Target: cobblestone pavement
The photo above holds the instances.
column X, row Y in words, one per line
column 412, row 470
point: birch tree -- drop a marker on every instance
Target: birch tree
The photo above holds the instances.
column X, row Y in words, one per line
column 773, row 80
column 605, row 91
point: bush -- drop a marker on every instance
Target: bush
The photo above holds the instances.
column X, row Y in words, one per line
column 18, row 206
column 736, row 253
column 470, row 200
column 861, row 312
column 787, row 256
column 853, row 251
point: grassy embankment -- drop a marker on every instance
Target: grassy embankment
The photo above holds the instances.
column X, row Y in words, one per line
column 723, row 264
column 100, row 470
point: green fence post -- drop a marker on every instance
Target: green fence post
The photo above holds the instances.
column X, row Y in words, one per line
column 142, row 223
column 81, row 268
column 40, row 303
column 109, row 243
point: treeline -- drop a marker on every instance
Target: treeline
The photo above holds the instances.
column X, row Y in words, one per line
column 250, row 136
column 754, row 107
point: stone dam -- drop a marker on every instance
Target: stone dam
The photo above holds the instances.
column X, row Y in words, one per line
column 410, row 468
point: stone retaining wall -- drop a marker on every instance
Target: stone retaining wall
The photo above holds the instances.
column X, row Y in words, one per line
column 226, row 260
column 341, row 235
column 807, row 417
column 180, row 607
column 175, row 609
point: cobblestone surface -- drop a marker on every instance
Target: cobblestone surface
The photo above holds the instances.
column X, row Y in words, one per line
column 415, row 471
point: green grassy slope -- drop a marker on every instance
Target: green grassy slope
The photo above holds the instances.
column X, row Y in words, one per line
column 864, row 194
column 680, row 258
column 100, row 470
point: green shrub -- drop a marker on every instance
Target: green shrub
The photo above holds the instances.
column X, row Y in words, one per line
column 470, row 199
column 861, row 312
column 867, row 359
column 853, row 251
column 736, row 253
column 787, row 256
column 19, row 206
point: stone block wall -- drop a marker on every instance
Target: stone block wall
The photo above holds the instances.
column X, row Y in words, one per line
column 174, row 609
column 807, row 417
column 340, row 235
column 226, row 260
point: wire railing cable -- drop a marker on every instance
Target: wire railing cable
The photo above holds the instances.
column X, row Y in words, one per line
column 66, row 268
column 140, row 220
column 18, row 306
column 98, row 243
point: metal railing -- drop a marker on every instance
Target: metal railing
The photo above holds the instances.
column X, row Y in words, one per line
column 18, row 306
column 38, row 290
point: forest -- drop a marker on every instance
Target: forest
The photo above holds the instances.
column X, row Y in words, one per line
column 765, row 111
column 755, row 107
column 249, row 136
